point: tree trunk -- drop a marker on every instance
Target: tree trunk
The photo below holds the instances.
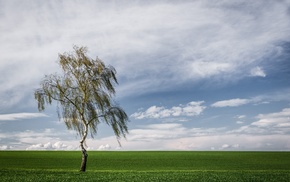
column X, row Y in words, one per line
column 84, row 160
column 84, row 151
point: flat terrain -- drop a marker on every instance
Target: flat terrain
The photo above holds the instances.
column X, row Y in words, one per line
column 145, row 166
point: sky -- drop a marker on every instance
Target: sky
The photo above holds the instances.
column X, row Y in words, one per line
column 193, row 75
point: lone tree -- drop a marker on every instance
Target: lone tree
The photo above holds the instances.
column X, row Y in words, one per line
column 84, row 95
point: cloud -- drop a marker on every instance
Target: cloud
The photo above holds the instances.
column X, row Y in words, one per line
column 227, row 146
column 267, row 124
column 241, row 116
column 270, row 132
column 43, row 138
column 274, row 120
column 154, row 46
column 231, row 103
column 168, row 131
column 214, row 141
column 164, row 126
column 190, row 109
column 257, row 71
column 211, row 54
column 171, row 136
column 240, row 119
column 49, row 146
column 104, row 147
column 19, row 116
column 282, row 95
column 5, row 147
column 50, row 139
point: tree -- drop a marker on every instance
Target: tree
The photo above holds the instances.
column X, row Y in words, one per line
column 84, row 96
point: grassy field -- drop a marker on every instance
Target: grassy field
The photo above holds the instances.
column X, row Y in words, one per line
column 145, row 166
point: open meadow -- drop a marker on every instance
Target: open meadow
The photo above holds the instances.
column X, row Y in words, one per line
column 145, row 166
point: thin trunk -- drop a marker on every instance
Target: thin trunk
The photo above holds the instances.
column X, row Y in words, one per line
column 84, row 151
column 84, row 160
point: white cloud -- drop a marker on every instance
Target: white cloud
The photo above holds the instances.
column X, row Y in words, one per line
column 18, row 116
column 50, row 139
column 166, row 126
column 231, row 103
column 241, row 116
column 104, row 147
column 240, row 119
column 5, row 147
column 258, row 71
column 217, row 141
column 227, row 146
column 174, row 136
column 152, row 45
column 240, row 122
column 276, row 120
column 168, row 131
column 190, row 109
column 42, row 139
column 169, row 136
column 153, row 132
column 267, row 124
column 49, row 146
column 283, row 95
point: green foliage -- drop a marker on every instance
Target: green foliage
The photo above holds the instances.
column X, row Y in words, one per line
column 84, row 93
column 145, row 166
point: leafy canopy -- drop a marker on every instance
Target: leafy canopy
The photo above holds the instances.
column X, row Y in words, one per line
column 84, row 93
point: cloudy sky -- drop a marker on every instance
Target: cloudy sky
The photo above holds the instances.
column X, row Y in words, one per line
column 193, row 75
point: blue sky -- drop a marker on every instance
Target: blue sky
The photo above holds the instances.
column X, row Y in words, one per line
column 193, row 75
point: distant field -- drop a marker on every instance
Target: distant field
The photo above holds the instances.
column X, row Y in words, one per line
column 145, row 166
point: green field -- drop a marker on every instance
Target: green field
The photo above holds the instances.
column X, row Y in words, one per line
column 145, row 166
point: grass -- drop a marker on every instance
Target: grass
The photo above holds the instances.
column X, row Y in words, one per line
column 145, row 166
